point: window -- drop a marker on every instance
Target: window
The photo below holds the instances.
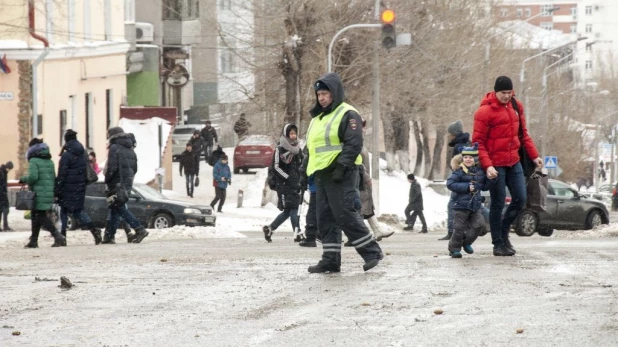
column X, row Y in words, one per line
column 39, row 125
column 588, row 28
column 588, row 47
column 71, row 19
column 129, row 10
column 588, row 10
column 574, row 12
column 109, row 108
column 588, row 64
column 88, row 119
column 63, row 125
column 573, row 28
column 181, row 9
column 547, row 25
column 547, row 10
column 49, row 20
column 87, row 32
column 528, row 12
column 225, row 4
column 228, row 58
column 519, row 12
column 504, row 12
column 73, row 105
column 107, row 13
column 96, row 190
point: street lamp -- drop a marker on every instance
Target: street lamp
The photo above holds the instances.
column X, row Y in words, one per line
column 523, row 64
column 488, row 43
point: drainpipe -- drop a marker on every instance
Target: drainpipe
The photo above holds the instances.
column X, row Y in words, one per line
column 35, row 64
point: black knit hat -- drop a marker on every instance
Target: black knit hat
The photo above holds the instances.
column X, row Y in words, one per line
column 69, row 135
column 503, row 83
column 411, row 177
column 35, row 141
column 114, row 131
column 223, row 156
column 319, row 85
column 9, row 165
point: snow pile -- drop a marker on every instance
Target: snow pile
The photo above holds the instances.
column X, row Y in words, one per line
column 605, row 230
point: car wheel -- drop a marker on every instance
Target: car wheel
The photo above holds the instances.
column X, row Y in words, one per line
column 526, row 224
column 245, row 170
column 236, row 171
column 593, row 220
column 161, row 221
column 546, row 231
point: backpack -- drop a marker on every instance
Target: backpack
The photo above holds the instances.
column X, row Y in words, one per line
column 215, row 156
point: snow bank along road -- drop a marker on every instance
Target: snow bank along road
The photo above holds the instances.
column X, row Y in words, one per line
column 246, row 292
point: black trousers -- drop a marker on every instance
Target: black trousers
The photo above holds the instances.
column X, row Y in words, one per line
column 40, row 219
column 335, row 212
column 311, row 220
column 219, row 197
column 412, row 214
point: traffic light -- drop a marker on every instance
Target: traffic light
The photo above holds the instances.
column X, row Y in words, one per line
column 389, row 38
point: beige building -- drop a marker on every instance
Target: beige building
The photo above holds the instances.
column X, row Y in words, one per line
column 67, row 62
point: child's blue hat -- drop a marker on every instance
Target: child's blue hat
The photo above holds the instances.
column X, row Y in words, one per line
column 473, row 150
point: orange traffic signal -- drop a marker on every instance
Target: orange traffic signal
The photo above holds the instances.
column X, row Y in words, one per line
column 388, row 16
column 389, row 37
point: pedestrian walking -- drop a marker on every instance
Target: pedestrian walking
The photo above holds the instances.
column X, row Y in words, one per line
column 197, row 147
column 241, row 127
column 498, row 123
column 334, row 143
column 415, row 206
column 120, row 171
column 4, row 194
column 286, row 166
column 40, row 179
column 70, row 189
column 457, row 140
column 466, row 182
column 92, row 160
column 222, row 177
column 188, row 162
column 209, row 134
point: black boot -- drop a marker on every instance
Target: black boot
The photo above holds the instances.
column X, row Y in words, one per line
column 370, row 264
column 59, row 240
column 64, row 233
column 307, row 243
column 140, row 234
column 507, row 244
column 108, row 239
column 33, row 243
column 423, row 231
column 315, row 269
column 447, row 237
column 96, row 233
column 502, row 251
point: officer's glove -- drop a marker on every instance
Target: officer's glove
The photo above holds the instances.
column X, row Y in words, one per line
column 338, row 173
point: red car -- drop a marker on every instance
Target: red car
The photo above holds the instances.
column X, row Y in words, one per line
column 253, row 152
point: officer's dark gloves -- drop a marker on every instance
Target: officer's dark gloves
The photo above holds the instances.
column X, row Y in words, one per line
column 338, row 173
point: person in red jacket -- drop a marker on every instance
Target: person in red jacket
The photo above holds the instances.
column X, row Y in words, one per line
column 496, row 129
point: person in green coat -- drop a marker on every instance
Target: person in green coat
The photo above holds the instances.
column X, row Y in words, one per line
column 41, row 179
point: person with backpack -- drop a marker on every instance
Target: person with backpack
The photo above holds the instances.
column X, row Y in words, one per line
column 187, row 161
column 216, row 155
column 41, row 179
column 500, row 130
column 222, row 177
column 71, row 182
column 286, row 166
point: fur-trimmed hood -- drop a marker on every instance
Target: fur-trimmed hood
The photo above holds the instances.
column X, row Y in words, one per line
column 456, row 161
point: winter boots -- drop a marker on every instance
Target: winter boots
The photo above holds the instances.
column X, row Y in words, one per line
column 59, row 240
column 370, row 264
column 307, row 243
column 447, row 237
column 96, row 233
column 108, row 240
column 408, row 227
column 468, row 249
column 423, row 231
column 503, row 251
column 268, row 232
column 509, row 246
column 455, row 254
column 33, row 243
column 316, row 269
column 140, row 234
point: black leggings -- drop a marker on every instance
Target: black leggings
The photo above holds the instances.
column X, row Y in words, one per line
column 220, row 197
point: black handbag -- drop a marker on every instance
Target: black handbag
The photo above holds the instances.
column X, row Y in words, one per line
column 25, row 199
column 526, row 162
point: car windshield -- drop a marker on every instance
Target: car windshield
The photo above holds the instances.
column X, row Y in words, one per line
column 256, row 140
column 148, row 192
column 184, row 131
column 562, row 189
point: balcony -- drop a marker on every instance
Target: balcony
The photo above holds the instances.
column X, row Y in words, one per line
column 181, row 32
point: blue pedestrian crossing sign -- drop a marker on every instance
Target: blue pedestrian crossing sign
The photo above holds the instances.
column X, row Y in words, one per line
column 551, row 162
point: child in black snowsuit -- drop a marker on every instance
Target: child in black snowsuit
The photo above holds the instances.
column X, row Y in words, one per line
column 467, row 181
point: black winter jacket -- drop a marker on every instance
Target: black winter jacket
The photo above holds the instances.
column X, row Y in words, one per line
column 197, row 146
column 287, row 178
column 71, row 180
column 188, row 163
column 121, row 164
column 4, row 198
column 209, row 135
column 415, row 200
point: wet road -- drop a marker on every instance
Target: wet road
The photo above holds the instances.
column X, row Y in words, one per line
column 246, row 292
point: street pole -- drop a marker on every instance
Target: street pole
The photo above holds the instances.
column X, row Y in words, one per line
column 332, row 42
column 375, row 119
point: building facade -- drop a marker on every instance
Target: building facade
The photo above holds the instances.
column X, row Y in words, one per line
column 63, row 68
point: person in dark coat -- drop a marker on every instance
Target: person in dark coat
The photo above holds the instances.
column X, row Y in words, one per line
column 466, row 182
column 197, row 147
column 222, row 177
column 119, row 174
column 188, row 163
column 4, row 194
column 287, row 163
column 41, row 179
column 415, row 205
column 216, row 155
column 241, row 127
column 71, row 185
column 209, row 134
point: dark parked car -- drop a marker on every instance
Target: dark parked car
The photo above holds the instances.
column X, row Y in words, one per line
column 253, row 152
column 150, row 207
column 566, row 210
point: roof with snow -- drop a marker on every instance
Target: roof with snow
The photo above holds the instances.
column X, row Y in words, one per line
column 523, row 35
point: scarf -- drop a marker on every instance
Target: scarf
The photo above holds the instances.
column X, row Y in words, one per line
column 291, row 147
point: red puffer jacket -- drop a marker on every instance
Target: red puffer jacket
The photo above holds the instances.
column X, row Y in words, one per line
column 496, row 129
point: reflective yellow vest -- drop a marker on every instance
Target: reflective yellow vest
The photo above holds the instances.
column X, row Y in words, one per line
column 323, row 139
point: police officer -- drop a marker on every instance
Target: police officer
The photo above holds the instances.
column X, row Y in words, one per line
column 334, row 142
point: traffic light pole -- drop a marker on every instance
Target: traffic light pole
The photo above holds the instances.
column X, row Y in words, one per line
column 332, row 42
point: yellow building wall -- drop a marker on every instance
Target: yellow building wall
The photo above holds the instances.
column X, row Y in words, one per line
column 9, row 136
